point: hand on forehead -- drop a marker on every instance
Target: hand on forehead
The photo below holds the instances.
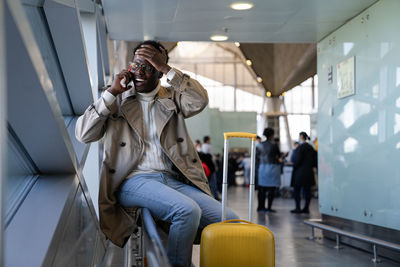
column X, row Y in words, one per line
column 149, row 50
column 152, row 55
column 146, row 50
column 147, row 46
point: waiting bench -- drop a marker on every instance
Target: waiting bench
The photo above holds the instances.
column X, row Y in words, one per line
column 317, row 223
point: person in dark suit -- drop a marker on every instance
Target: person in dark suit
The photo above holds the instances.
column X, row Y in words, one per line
column 304, row 160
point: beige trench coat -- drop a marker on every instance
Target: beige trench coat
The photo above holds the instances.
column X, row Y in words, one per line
column 120, row 127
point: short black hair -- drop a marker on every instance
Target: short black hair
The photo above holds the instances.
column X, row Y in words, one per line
column 206, row 138
column 153, row 43
column 268, row 132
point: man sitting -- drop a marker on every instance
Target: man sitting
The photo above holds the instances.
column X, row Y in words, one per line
column 149, row 160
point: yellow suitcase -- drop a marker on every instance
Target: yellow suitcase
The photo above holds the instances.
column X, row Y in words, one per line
column 237, row 243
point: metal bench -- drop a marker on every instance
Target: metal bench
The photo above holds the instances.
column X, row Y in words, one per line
column 317, row 223
column 145, row 248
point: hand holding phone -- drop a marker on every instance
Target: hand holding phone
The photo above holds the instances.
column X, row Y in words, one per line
column 122, row 82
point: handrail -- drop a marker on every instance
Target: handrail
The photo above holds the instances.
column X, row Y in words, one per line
column 160, row 258
column 375, row 241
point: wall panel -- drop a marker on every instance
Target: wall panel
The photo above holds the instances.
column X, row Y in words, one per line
column 359, row 135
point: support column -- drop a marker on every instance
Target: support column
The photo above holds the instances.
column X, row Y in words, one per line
column 234, row 86
column 312, row 93
column 261, row 121
column 273, row 113
column 289, row 138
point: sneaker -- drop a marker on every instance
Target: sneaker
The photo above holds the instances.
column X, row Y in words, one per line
column 297, row 211
column 261, row 209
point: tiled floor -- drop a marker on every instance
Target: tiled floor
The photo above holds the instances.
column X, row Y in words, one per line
column 293, row 249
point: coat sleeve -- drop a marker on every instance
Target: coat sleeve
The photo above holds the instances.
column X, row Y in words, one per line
column 298, row 157
column 190, row 95
column 276, row 153
column 91, row 125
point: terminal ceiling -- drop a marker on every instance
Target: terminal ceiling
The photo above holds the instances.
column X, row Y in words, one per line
column 279, row 37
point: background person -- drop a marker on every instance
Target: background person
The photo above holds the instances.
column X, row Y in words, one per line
column 269, row 171
column 197, row 145
column 304, row 160
column 206, row 147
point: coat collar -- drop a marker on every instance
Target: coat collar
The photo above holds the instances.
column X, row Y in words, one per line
column 162, row 93
column 128, row 93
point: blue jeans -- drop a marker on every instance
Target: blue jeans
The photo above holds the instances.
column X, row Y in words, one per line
column 184, row 206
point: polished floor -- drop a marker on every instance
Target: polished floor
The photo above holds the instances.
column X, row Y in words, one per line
column 293, row 248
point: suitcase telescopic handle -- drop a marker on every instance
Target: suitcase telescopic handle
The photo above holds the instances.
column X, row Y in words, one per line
column 240, row 135
column 252, row 171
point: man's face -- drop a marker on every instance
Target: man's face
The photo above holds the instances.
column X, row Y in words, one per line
column 145, row 76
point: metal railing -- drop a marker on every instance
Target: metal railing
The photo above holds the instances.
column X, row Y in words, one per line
column 154, row 251
column 317, row 223
column 145, row 248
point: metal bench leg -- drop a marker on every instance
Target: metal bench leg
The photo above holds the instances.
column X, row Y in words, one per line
column 375, row 259
column 312, row 237
column 137, row 248
column 128, row 253
column 338, row 242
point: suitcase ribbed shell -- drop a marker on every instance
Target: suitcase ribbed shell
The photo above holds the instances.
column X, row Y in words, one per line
column 237, row 244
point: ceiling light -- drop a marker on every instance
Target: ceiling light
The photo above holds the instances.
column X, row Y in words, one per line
column 241, row 6
column 269, row 94
column 259, row 79
column 219, row 38
column 248, row 62
column 237, row 44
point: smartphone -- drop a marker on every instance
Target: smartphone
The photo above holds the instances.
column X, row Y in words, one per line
column 130, row 82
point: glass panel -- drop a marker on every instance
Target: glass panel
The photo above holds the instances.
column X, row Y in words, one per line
column 45, row 44
column 18, row 170
column 100, row 250
column 214, row 68
column 297, row 124
column 299, row 99
column 77, row 245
